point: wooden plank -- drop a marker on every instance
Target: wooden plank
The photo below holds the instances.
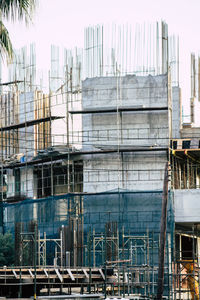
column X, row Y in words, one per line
column 71, row 275
column 179, row 144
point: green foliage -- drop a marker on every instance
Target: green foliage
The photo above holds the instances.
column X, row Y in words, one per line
column 5, row 42
column 6, row 249
column 13, row 10
column 17, row 9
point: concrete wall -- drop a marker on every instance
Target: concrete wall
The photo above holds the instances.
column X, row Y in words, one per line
column 176, row 113
column 136, row 211
column 58, row 127
column 8, row 116
column 26, row 182
column 26, row 135
column 10, row 183
column 131, row 90
column 187, row 205
column 134, row 171
column 190, row 132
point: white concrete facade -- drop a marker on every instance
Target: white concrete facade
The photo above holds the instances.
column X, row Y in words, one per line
column 133, row 170
column 187, row 205
column 24, row 186
column 176, row 113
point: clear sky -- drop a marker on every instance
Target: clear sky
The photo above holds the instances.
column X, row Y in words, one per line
column 61, row 22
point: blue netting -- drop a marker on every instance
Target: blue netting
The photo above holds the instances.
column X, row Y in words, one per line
column 136, row 211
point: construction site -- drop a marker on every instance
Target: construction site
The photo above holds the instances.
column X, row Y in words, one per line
column 99, row 174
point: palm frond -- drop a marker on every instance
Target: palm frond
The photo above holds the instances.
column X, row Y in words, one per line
column 17, row 9
column 6, row 49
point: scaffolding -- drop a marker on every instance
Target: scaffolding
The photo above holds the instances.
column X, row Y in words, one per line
column 92, row 190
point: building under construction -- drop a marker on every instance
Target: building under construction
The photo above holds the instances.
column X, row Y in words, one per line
column 83, row 167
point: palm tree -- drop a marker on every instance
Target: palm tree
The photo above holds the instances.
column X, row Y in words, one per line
column 13, row 10
column 5, row 42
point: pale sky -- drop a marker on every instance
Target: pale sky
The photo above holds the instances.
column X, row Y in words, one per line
column 62, row 22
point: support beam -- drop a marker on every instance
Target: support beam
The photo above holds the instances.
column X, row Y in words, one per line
column 59, row 275
column 163, row 228
column 15, row 274
column 78, row 153
column 102, row 275
column 115, row 110
column 45, row 272
column 86, row 274
column 29, row 123
column 71, row 275
column 30, row 272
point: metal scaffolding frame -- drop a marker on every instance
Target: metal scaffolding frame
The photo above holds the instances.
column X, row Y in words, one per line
column 132, row 258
